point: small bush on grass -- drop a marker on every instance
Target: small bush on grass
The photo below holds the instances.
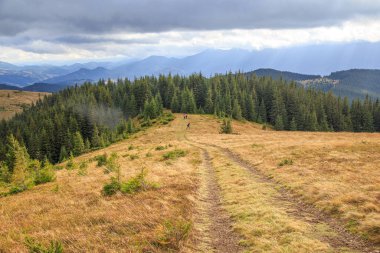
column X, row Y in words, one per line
column 71, row 165
column 137, row 183
column 36, row 247
column 226, row 127
column 174, row 154
column 285, row 162
column 161, row 148
column 45, row 174
column 133, row 157
column 82, row 171
column 101, row 159
column 112, row 165
column 172, row 234
column 111, row 188
column 149, row 154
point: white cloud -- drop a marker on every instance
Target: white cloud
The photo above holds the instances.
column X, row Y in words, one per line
column 181, row 43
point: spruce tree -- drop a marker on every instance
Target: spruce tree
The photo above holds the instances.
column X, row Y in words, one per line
column 78, row 144
column 236, row 111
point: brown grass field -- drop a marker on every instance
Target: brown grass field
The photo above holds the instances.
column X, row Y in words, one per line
column 258, row 190
column 12, row 101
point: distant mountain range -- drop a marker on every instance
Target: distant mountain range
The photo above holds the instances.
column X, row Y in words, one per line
column 317, row 59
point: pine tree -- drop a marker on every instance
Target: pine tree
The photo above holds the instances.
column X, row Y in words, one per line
column 130, row 126
column 95, row 140
column 279, row 123
column 293, row 125
column 262, row 117
column 209, row 105
column 250, row 108
column 174, row 105
column 236, row 111
column 78, row 144
column 63, row 154
column 20, row 177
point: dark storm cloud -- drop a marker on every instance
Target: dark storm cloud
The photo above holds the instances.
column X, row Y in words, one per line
column 101, row 16
column 79, row 39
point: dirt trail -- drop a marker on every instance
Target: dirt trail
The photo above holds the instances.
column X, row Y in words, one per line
column 214, row 232
column 301, row 210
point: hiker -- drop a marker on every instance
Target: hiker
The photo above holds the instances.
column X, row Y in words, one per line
column 188, row 126
column 184, row 116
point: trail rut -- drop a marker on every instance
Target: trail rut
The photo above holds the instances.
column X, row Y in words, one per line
column 216, row 233
column 299, row 209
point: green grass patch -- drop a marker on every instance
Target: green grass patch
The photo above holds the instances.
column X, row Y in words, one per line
column 177, row 153
column 36, row 247
column 285, row 162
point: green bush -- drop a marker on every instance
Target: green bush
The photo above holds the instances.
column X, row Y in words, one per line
column 36, row 247
column 174, row 154
column 136, row 184
column 82, row 171
column 226, row 127
column 149, row 154
column 17, row 189
column 101, row 159
column 161, row 147
column 71, row 165
column 172, row 235
column 45, row 174
column 111, row 188
column 285, row 162
column 133, row 157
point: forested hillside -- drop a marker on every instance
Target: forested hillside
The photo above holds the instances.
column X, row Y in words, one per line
column 91, row 116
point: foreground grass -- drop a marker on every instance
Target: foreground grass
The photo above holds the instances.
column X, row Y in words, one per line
column 259, row 215
column 337, row 172
column 73, row 211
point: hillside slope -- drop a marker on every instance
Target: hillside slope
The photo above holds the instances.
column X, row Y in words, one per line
column 12, row 102
column 218, row 183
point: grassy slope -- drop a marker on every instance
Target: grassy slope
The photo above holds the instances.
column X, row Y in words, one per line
column 73, row 211
column 13, row 104
column 335, row 171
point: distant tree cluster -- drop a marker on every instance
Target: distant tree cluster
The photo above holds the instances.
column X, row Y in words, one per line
column 90, row 116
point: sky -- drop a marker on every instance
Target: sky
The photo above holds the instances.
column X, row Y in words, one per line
column 48, row 31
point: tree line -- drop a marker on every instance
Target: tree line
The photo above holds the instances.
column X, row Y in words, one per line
column 90, row 116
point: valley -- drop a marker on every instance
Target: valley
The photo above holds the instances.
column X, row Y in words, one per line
column 252, row 191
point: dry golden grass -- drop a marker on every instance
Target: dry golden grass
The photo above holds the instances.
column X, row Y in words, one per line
column 337, row 172
column 13, row 104
column 261, row 217
column 73, row 211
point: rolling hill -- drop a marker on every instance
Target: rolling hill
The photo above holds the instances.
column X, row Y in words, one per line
column 226, row 193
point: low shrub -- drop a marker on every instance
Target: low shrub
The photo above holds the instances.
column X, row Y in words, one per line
column 133, row 157
column 111, row 188
column 137, row 183
column 101, row 159
column 82, row 171
column 172, row 234
column 36, row 247
column 71, row 165
column 226, row 127
column 285, row 162
column 174, row 154
column 161, row 147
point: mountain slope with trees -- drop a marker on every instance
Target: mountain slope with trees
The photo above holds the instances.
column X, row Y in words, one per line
column 98, row 114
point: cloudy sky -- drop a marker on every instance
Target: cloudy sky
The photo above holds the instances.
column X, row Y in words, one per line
column 83, row 30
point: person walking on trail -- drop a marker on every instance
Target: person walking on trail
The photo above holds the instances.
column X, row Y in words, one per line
column 188, row 126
